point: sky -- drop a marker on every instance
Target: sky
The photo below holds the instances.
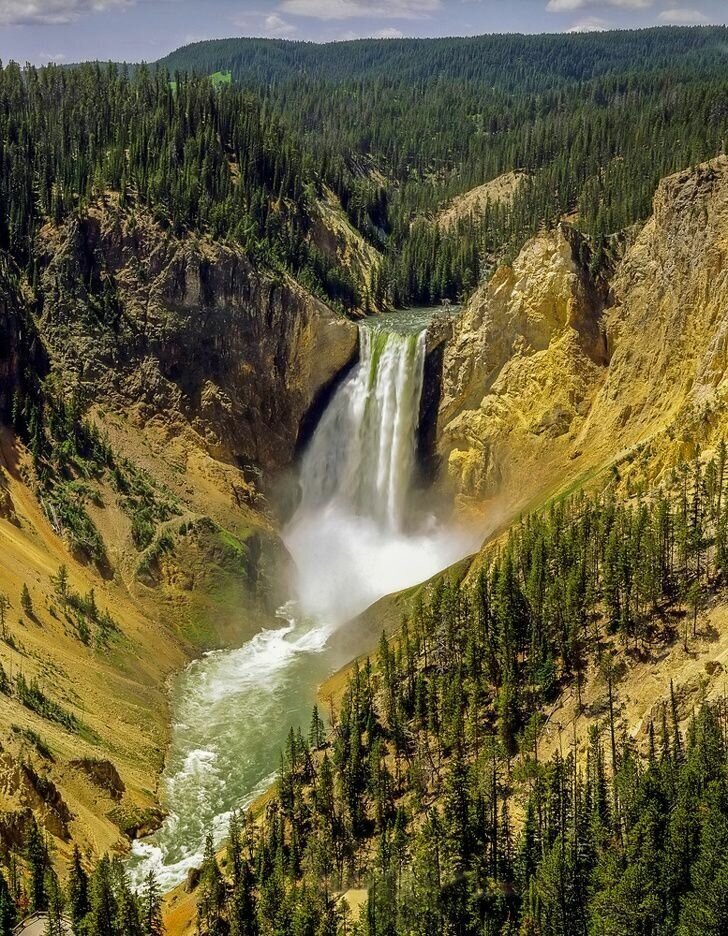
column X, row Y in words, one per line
column 40, row 31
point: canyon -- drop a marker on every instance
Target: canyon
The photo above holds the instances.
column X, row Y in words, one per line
column 554, row 376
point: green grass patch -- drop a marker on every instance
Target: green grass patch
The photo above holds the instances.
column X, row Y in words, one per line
column 221, row 78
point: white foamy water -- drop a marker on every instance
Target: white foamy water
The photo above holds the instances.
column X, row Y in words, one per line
column 353, row 539
column 233, row 710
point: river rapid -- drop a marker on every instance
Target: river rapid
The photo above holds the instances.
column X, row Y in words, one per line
column 355, row 537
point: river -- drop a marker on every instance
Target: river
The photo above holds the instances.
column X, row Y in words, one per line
column 354, row 538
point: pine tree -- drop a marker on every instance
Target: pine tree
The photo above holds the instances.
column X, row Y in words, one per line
column 317, row 731
column 211, row 902
column 56, row 904
column 705, row 910
column 151, row 907
column 243, row 904
column 4, row 608
column 36, row 854
column 60, row 583
column 102, row 898
column 8, row 911
column 77, row 889
column 127, row 919
column 26, row 602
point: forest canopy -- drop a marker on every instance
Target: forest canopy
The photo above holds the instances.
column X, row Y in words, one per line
column 239, row 138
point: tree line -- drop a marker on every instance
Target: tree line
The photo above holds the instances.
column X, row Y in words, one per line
column 402, row 126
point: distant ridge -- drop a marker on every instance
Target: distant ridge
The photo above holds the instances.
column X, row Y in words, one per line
column 495, row 59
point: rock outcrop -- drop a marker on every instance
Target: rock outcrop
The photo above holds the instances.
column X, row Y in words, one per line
column 521, row 369
column 200, row 370
column 667, row 330
column 552, row 375
column 336, row 237
column 186, row 330
column 472, row 203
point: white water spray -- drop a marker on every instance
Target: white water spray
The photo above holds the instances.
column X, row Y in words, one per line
column 352, row 538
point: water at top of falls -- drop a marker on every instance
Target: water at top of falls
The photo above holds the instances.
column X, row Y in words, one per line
column 353, row 538
column 362, row 455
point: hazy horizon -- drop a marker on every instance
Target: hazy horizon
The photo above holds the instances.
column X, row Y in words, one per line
column 41, row 31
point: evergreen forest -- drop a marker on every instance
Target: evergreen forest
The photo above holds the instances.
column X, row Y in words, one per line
column 394, row 129
column 410, row 794
column 410, row 790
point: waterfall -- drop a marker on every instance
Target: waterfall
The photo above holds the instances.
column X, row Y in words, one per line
column 355, row 537
column 362, row 455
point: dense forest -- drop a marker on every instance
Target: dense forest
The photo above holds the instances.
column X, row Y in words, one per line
column 428, row 788
column 395, row 129
column 517, row 62
column 201, row 158
column 412, row 794
column 595, row 121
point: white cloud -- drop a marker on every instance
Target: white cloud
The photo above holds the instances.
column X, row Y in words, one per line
column 590, row 24
column 349, row 35
column 568, row 6
column 277, row 27
column 351, row 9
column 51, row 12
column 257, row 23
column 389, row 32
column 683, row 17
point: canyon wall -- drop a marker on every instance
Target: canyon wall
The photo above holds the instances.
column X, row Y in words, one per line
column 188, row 331
column 199, row 370
column 553, row 373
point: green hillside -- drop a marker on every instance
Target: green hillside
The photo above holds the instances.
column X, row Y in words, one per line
column 405, row 125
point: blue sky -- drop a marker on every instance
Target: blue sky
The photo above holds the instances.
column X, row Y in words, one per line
column 71, row 30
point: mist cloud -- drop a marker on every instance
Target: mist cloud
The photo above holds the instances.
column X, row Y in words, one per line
column 52, row 12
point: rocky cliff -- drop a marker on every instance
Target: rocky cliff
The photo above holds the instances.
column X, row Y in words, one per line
column 198, row 371
column 185, row 329
column 552, row 374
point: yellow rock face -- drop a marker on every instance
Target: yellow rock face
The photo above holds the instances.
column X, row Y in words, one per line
column 498, row 191
column 551, row 376
column 520, row 374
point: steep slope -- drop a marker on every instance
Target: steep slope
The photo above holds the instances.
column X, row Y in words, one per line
column 552, row 375
column 667, row 329
column 520, row 373
column 187, row 329
column 337, row 238
column 471, row 204
column 187, row 376
column 84, row 748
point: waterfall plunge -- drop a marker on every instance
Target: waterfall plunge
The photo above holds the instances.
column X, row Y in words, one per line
column 362, row 455
column 353, row 538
